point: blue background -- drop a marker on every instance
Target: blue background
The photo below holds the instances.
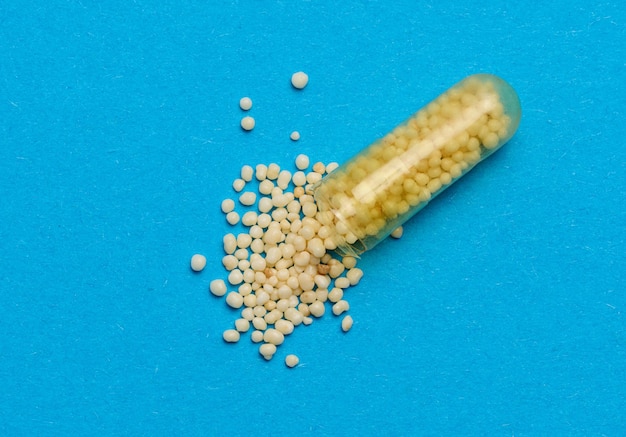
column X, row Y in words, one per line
column 500, row 312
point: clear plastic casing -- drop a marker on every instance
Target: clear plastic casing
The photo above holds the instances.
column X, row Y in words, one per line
column 384, row 185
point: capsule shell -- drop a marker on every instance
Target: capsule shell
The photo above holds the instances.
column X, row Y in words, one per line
column 385, row 184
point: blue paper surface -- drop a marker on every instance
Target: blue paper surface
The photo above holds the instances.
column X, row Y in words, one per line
column 499, row 312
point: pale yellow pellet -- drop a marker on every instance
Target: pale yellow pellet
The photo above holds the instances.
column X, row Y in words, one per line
column 247, row 314
column 346, row 323
column 274, row 315
column 349, row 262
column 259, row 323
column 231, row 336
column 256, row 231
column 230, row 262
column 292, row 360
column 313, row 178
column 245, row 103
column 235, row 277
column 335, row 295
column 247, row 172
column 218, row 287
column 198, row 262
column 273, row 171
column 227, row 205
column 249, row 301
column 234, row 300
column 284, row 177
column 247, row 123
column 335, row 268
column 256, row 336
column 340, row 307
column 265, row 204
column 245, row 289
column 299, row 80
column 284, row 326
column 262, row 297
column 273, row 336
column 321, row 294
column 242, row 325
column 295, row 135
column 248, row 198
column 229, row 243
column 302, row 162
column 316, row 247
column 243, row 241
column 267, row 350
column 238, row 185
column 319, row 167
column 397, row 233
column 266, row 186
column 261, row 172
column 317, row 309
column 249, row 218
column 331, row 167
column 232, row 218
column 294, row 316
column 342, row 282
column 354, row 275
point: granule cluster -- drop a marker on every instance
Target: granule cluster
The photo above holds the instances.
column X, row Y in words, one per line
column 281, row 273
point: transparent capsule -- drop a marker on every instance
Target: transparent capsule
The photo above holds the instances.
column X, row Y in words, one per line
column 385, row 184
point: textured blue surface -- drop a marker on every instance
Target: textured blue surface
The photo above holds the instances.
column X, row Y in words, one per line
column 500, row 312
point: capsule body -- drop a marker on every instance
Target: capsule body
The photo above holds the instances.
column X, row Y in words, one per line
column 385, row 184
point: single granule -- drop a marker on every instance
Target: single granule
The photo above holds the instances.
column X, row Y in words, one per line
column 317, row 308
column 248, row 198
column 228, row 205
column 247, row 123
column 231, row 336
column 349, row 262
column 292, row 360
column 331, row 167
column 232, row 218
column 218, row 287
column 354, row 275
column 272, row 171
column 249, row 218
column 273, row 336
column 238, row 185
column 245, row 103
column 302, row 162
column 256, row 336
column 247, row 172
column 295, row 135
column 198, row 262
column 397, row 233
column 299, row 80
column 235, row 277
column 284, row 326
column 340, row 307
column 267, row 350
column 335, row 295
column 242, row 325
column 235, row 300
column 346, row 323
column 261, row 172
